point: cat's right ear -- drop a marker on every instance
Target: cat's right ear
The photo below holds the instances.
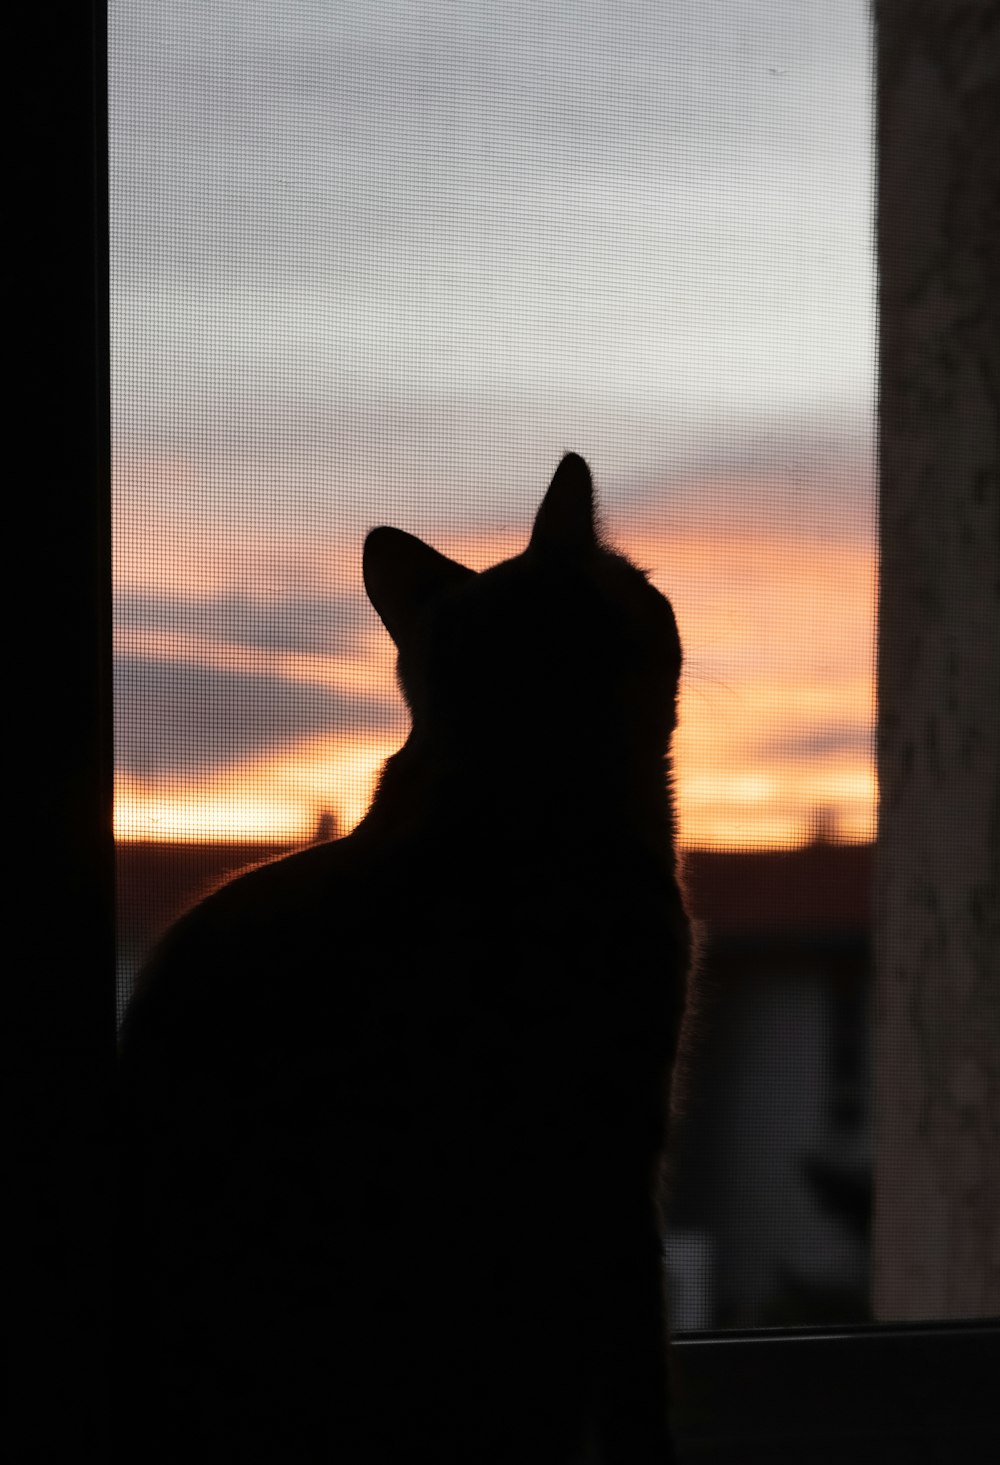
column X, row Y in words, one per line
column 402, row 574
column 564, row 524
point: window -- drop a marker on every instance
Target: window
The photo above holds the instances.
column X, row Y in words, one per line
column 385, row 264
column 739, row 1386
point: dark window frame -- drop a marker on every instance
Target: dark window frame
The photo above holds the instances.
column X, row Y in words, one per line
column 881, row 1393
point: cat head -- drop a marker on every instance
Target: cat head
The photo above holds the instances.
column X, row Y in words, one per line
column 568, row 639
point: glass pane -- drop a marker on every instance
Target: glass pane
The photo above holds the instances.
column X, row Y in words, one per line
column 384, row 264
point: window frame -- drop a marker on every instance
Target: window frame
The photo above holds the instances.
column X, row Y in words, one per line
column 881, row 1393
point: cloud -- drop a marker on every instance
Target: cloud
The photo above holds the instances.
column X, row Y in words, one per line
column 174, row 717
column 844, row 739
column 329, row 625
column 661, row 206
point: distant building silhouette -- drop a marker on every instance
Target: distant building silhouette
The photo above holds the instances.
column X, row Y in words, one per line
column 772, row 1169
column 327, row 827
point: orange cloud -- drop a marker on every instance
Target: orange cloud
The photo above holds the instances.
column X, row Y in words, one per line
column 777, row 701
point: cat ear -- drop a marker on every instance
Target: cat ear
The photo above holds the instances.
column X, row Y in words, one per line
column 565, row 521
column 402, row 573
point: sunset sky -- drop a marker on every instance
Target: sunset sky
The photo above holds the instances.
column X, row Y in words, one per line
column 384, row 264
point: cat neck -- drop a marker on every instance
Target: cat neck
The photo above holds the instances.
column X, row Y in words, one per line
column 565, row 802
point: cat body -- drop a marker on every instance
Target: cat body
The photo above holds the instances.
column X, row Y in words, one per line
column 394, row 1107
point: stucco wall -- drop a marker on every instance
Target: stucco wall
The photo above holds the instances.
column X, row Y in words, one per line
column 937, row 1202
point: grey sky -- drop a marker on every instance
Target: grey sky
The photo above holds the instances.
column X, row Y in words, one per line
column 401, row 253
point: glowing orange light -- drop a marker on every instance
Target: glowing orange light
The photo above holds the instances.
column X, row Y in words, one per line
column 776, row 705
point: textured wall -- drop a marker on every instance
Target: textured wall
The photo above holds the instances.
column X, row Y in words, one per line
column 937, row 1215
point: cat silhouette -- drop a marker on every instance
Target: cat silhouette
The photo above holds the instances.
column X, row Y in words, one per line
column 394, row 1107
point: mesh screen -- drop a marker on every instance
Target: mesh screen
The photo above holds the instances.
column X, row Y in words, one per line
column 384, row 264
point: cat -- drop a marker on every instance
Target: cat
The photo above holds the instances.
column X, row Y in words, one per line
column 394, row 1107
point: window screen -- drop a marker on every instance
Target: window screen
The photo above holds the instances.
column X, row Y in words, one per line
column 384, row 264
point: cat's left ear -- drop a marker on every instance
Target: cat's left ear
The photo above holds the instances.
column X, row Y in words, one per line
column 402, row 574
column 565, row 521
